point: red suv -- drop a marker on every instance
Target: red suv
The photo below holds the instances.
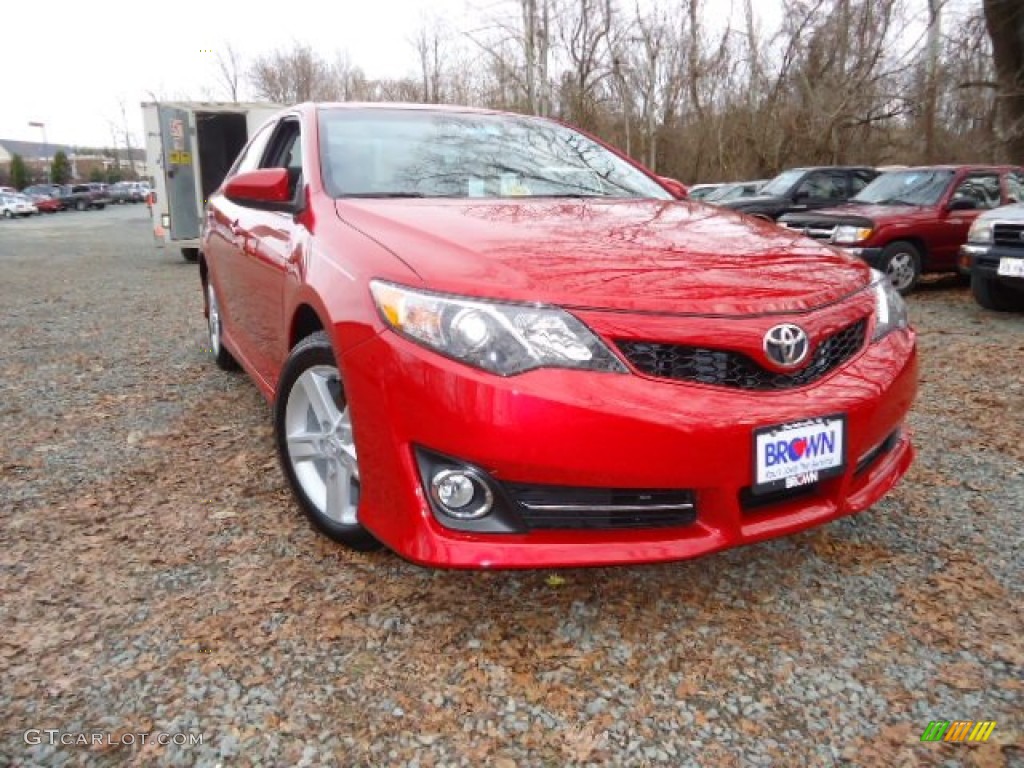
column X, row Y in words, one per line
column 911, row 221
column 492, row 341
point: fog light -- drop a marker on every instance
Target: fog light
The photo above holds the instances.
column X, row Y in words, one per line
column 461, row 493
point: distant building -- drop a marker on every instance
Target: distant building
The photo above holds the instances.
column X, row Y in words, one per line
column 84, row 161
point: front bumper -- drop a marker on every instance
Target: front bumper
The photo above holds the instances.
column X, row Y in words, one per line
column 985, row 260
column 582, row 429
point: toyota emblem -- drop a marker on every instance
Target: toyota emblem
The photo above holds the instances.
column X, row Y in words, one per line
column 786, row 345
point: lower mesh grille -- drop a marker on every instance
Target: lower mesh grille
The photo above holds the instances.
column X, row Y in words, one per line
column 548, row 507
column 726, row 368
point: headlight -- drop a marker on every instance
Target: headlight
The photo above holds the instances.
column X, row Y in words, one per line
column 890, row 309
column 502, row 338
column 981, row 232
column 848, row 234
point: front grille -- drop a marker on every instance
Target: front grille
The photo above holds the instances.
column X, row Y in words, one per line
column 818, row 232
column 1009, row 235
column 550, row 507
column 725, row 368
column 752, row 502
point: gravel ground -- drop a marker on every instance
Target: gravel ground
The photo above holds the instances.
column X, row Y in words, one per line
column 157, row 578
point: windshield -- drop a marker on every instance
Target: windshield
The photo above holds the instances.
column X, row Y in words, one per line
column 782, row 183
column 407, row 153
column 906, row 188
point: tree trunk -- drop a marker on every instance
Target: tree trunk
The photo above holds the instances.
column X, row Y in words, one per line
column 1005, row 22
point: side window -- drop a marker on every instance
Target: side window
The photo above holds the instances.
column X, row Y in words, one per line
column 840, row 185
column 980, row 189
column 1015, row 186
column 285, row 151
column 822, row 186
column 858, row 181
column 250, row 157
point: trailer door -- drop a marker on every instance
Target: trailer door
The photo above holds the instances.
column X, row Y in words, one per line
column 179, row 172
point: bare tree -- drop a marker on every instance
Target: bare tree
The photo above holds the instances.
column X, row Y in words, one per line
column 293, row 75
column 229, row 70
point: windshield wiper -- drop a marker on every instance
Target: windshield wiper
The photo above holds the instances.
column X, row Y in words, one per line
column 895, row 201
column 566, row 194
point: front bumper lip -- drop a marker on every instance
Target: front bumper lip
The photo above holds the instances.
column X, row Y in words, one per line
column 571, row 428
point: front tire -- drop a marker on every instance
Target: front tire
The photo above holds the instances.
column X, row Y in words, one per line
column 315, row 443
column 901, row 261
column 991, row 294
column 221, row 356
column 80, row 205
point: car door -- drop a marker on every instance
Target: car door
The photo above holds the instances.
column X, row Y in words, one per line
column 224, row 244
column 269, row 255
column 983, row 190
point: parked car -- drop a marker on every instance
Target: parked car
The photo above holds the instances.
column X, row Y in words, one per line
column 913, row 221
column 802, row 189
column 140, row 191
column 45, row 203
column 701, row 191
column 46, row 190
column 735, row 191
column 82, row 197
column 123, row 192
column 477, row 366
column 16, row 205
column 994, row 257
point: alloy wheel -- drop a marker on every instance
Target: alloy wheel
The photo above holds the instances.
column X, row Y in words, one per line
column 320, row 447
column 901, row 270
column 213, row 320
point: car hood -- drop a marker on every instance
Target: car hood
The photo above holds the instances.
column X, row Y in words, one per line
column 857, row 214
column 752, row 202
column 1012, row 213
column 644, row 255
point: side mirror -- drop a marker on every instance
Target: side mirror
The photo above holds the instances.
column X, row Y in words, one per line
column 677, row 189
column 266, row 188
column 963, row 204
column 801, row 196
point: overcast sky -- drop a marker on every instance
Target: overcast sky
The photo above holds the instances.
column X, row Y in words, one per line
column 70, row 64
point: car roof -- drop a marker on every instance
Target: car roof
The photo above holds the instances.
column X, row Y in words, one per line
column 832, row 168
column 961, row 167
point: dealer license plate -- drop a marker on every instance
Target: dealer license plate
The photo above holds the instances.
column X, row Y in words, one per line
column 798, row 454
column 1011, row 267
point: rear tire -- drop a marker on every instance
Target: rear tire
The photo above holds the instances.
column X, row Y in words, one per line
column 901, row 262
column 224, row 360
column 991, row 294
column 315, row 443
column 190, row 254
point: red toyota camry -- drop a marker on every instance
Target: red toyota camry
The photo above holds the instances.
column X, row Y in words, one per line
column 491, row 341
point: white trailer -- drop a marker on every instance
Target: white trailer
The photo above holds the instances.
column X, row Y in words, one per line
column 190, row 146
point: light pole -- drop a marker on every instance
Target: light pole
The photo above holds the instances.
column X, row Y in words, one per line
column 46, row 148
